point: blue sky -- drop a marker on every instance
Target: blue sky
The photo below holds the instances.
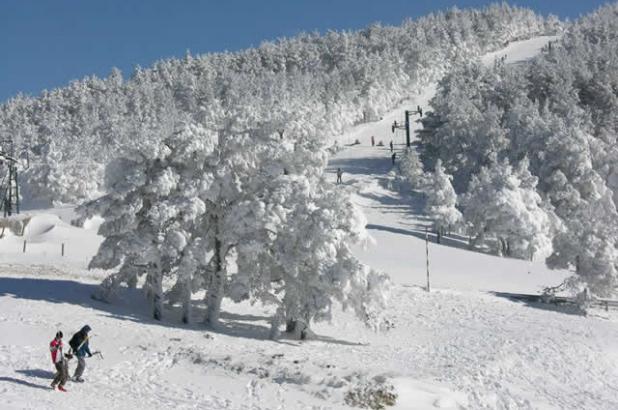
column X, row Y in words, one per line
column 47, row 43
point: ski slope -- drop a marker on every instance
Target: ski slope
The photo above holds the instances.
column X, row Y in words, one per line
column 457, row 347
column 396, row 221
column 519, row 51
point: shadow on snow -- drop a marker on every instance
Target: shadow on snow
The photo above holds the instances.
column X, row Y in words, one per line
column 127, row 306
column 37, row 373
column 534, row 301
column 23, row 383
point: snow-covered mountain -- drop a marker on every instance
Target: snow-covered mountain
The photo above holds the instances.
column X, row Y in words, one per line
column 456, row 347
column 306, row 85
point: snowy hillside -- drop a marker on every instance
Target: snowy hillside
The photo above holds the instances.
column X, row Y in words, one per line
column 396, row 221
column 309, row 84
column 456, row 347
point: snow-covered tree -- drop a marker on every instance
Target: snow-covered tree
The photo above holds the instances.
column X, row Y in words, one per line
column 148, row 224
column 589, row 243
column 205, row 201
column 441, row 203
column 503, row 203
column 411, row 169
column 308, row 263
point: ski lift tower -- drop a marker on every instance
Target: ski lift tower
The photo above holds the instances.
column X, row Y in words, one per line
column 406, row 126
column 9, row 190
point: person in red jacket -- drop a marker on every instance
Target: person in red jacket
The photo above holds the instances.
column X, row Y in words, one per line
column 57, row 356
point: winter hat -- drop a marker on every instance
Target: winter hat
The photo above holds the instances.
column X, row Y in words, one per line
column 86, row 329
column 59, row 335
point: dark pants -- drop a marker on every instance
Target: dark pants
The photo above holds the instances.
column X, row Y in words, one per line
column 62, row 373
column 81, row 365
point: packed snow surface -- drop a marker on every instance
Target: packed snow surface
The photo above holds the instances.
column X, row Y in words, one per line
column 519, row 51
column 458, row 346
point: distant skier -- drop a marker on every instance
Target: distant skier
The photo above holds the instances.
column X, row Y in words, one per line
column 391, row 144
column 60, row 362
column 339, row 175
column 420, row 110
column 79, row 345
column 393, row 157
column 373, row 141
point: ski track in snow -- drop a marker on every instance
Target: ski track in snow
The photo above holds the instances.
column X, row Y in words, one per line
column 456, row 347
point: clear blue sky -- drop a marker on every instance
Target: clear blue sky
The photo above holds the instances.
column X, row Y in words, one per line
column 47, row 43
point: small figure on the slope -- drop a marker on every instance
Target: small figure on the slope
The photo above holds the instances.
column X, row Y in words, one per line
column 420, row 110
column 339, row 174
column 391, row 144
column 393, row 157
column 80, row 347
column 373, row 141
column 60, row 362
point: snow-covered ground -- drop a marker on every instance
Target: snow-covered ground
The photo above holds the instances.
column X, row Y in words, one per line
column 519, row 51
column 458, row 346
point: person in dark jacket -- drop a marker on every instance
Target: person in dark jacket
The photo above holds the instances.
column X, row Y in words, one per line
column 80, row 347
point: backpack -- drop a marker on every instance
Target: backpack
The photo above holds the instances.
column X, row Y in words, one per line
column 75, row 342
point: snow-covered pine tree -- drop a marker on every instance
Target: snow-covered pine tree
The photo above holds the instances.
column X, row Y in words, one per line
column 309, row 264
column 204, row 199
column 441, row 203
column 589, row 243
column 502, row 202
column 411, row 169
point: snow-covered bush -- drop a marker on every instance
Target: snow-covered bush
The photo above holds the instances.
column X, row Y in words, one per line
column 375, row 394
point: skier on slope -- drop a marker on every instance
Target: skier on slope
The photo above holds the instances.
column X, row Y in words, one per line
column 79, row 345
column 373, row 141
column 339, row 175
column 60, row 362
column 391, row 144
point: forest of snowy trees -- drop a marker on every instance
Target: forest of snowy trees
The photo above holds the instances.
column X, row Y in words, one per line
column 309, row 84
column 532, row 151
column 208, row 170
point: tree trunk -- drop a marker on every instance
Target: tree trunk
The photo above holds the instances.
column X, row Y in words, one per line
column 275, row 323
column 300, row 328
column 132, row 281
column 498, row 246
column 186, row 301
column 157, row 302
column 214, row 296
column 107, row 288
